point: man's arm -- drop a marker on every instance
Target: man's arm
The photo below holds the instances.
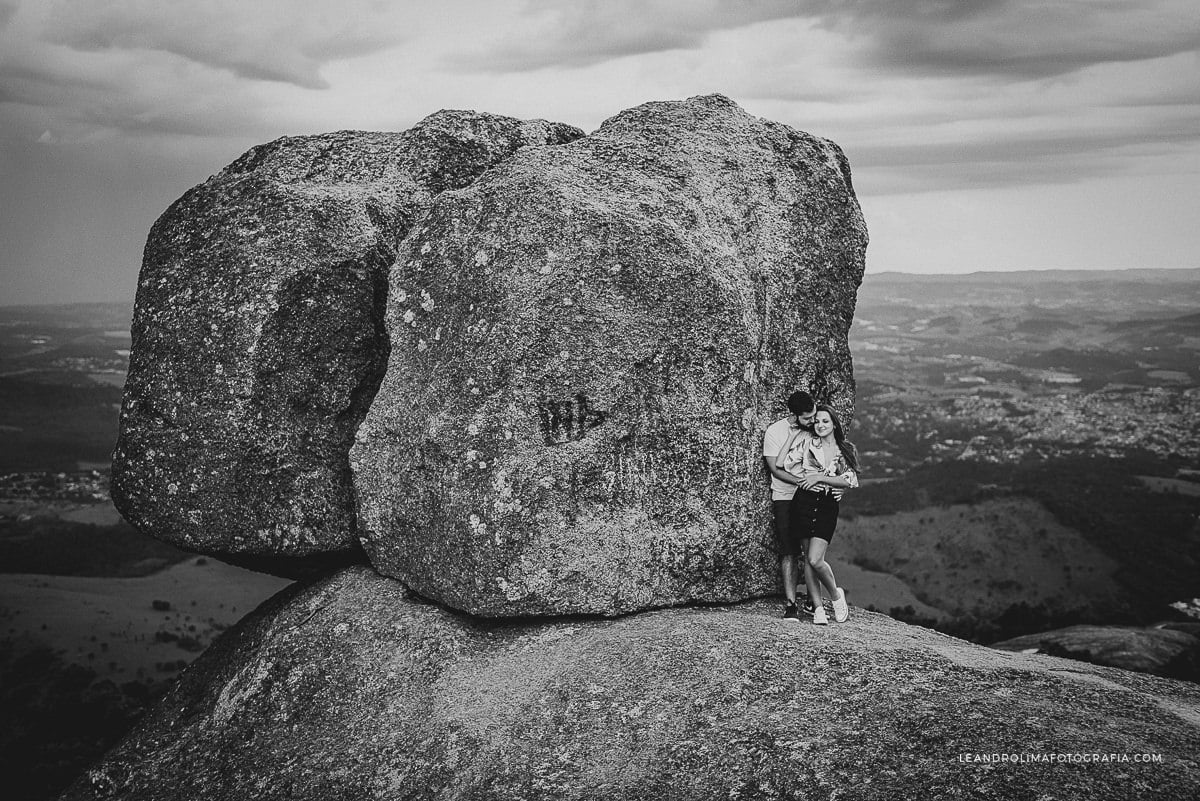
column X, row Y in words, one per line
column 838, row 482
column 781, row 459
column 779, row 472
column 774, row 447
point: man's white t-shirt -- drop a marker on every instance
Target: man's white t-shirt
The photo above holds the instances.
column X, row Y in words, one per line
column 774, row 438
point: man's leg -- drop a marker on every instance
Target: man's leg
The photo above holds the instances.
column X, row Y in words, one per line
column 787, row 565
column 787, row 555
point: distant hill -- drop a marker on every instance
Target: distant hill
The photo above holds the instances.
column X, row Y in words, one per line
column 1141, row 291
column 1012, row 414
column 61, row 372
column 1187, row 324
column 1044, row 276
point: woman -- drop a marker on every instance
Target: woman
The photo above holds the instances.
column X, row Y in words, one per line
column 827, row 466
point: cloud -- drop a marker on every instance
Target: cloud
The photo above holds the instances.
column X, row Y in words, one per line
column 1186, row 93
column 1015, row 149
column 287, row 42
column 39, row 83
column 1018, row 39
column 109, row 67
column 987, row 156
column 136, row 94
column 580, row 34
column 971, row 128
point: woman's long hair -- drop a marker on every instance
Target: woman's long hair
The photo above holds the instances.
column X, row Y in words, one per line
column 849, row 452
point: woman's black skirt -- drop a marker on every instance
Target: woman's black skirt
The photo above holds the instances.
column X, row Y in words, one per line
column 814, row 514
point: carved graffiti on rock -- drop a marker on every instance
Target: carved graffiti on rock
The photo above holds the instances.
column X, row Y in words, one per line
column 563, row 421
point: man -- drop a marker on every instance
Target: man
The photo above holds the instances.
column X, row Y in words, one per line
column 783, row 487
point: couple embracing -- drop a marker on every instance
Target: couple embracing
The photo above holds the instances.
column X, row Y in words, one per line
column 811, row 465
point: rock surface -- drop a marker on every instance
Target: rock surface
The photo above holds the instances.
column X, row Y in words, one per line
column 349, row 689
column 258, row 338
column 586, row 346
column 1163, row 651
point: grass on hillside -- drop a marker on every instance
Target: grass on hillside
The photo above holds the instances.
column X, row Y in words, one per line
column 52, row 546
column 53, row 426
column 1153, row 536
column 58, row 717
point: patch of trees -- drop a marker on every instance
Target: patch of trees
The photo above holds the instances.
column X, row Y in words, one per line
column 1154, row 536
column 56, row 547
column 1018, row 619
column 58, row 718
column 60, row 424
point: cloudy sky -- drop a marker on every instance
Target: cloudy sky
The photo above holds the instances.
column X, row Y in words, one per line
column 984, row 134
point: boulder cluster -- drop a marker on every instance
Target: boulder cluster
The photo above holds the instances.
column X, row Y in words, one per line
column 492, row 385
column 522, row 370
column 259, row 339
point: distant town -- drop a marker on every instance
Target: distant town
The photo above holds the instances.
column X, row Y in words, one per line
column 995, row 368
column 83, row 486
column 1003, row 424
column 984, row 369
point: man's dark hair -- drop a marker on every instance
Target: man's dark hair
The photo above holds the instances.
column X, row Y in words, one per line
column 801, row 403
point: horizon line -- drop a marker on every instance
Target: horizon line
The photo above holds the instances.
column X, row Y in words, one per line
column 885, row 273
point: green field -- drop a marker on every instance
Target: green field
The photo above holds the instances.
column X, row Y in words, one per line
column 81, row 657
column 1004, row 550
column 53, row 421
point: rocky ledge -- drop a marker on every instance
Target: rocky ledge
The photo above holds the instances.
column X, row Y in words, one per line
column 351, row 688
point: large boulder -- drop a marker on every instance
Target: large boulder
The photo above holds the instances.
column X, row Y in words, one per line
column 351, row 689
column 586, row 345
column 258, row 338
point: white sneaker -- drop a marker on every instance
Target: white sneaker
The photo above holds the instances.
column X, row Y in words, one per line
column 819, row 616
column 841, row 611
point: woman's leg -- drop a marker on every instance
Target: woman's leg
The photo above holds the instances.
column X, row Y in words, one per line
column 819, row 568
column 810, row 580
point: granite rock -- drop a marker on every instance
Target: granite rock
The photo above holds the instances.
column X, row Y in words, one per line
column 258, row 337
column 586, row 345
column 349, row 688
